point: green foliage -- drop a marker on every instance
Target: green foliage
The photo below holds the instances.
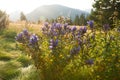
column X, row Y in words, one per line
column 106, row 11
column 62, row 19
column 4, row 57
column 25, row 61
column 76, row 21
column 3, row 20
column 9, row 35
column 80, row 20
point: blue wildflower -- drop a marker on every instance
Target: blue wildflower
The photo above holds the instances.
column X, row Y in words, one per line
column 73, row 29
column 46, row 24
column 58, row 26
column 53, row 43
column 25, row 32
column 19, row 37
column 33, row 40
column 91, row 24
column 83, row 30
column 65, row 25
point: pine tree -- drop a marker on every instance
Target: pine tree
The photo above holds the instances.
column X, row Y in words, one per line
column 105, row 11
column 76, row 21
column 82, row 20
column 23, row 17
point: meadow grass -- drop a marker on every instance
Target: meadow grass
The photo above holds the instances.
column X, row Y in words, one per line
column 14, row 65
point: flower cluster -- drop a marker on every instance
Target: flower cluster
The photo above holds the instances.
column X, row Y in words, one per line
column 23, row 36
column 26, row 38
column 33, row 40
column 57, row 29
column 91, row 24
column 53, row 43
column 83, row 30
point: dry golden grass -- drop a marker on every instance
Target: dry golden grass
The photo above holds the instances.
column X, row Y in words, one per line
column 18, row 27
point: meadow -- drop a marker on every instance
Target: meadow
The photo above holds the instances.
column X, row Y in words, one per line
column 59, row 52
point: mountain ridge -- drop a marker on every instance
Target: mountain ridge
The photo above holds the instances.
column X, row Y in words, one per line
column 52, row 12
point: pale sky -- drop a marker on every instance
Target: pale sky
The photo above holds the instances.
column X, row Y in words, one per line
column 28, row 5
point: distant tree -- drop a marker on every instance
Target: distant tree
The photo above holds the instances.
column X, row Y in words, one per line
column 39, row 21
column 52, row 20
column 76, row 20
column 82, row 20
column 69, row 21
column 61, row 19
column 4, row 21
column 47, row 20
column 23, row 17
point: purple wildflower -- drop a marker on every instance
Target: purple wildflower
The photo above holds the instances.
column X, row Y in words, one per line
column 53, row 43
column 58, row 26
column 90, row 61
column 46, row 24
column 25, row 32
column 83, row 30
column 75, row 50
column 73, row 29
column 65, row 25
column 54, row 24
column 33, row 40
column 106, row 27
column 19, row 37
column 91, row 24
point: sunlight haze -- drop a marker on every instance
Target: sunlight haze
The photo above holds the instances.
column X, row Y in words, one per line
column 28, row 5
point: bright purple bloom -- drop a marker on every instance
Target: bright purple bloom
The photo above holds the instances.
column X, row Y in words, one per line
column 73, row 28
column 54, row 24
column 19, row 37
column 83, row 30
column 91, row 24
column 59, row 26
column 25, row 32
column 53, row 43
column 46, row 24
column 33, row 39
column 65, row 25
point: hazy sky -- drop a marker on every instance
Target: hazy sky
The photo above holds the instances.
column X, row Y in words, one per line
column 28, row 5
